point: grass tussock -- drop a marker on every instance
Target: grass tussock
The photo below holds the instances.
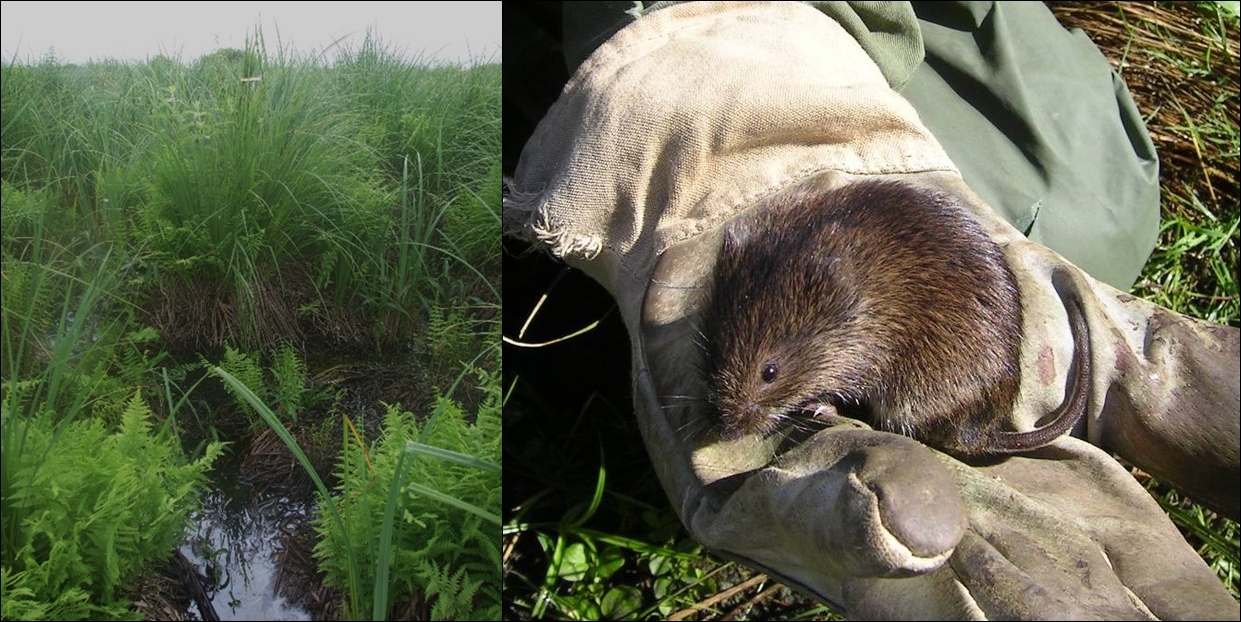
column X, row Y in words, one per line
column 275, row 197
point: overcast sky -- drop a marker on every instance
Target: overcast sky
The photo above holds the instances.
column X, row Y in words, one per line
column 453, row 32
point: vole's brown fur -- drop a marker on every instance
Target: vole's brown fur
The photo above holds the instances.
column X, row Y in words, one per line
column 880, row 298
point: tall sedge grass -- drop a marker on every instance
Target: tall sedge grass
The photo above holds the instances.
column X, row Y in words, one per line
column 471, row 225
column 256, row 172
column 251, row 172
column 56, row 343
column 53, row 134
column 417, row 280
column 439, row 131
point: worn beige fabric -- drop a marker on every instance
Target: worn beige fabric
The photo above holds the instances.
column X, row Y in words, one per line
column 647, row 127
column 688, row 116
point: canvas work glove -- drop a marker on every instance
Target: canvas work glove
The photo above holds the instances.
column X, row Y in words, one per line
column 690, row 115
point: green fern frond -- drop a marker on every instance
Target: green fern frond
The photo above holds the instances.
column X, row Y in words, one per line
column 245, row 368
column 441, row 549
column 98, row 508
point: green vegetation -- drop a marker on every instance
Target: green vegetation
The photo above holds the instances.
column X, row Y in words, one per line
column 252, row 210
column 265, row 199
column 285, row 385
column 91, row 494
column 93, row 512
column 448, row 545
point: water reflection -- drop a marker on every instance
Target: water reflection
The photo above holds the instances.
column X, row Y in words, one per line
column 238, row 544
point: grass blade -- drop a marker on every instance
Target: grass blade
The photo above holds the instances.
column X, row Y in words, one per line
column 451, row 456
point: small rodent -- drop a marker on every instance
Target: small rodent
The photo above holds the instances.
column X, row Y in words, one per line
column 883, row 300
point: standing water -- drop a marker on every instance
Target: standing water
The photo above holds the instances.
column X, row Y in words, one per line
column 238, row 545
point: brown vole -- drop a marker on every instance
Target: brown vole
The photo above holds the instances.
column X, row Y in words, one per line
column 879, row 299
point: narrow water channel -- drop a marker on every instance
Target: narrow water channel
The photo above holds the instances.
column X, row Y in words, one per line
column 238, row 545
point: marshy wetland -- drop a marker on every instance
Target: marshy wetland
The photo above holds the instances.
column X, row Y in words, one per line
column 251, row 363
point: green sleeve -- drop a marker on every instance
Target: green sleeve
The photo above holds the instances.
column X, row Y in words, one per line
column 1043, row 129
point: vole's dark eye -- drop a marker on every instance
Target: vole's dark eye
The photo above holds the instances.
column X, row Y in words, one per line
column 770, row 372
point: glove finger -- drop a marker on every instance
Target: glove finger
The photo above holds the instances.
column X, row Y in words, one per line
column 845, row 502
